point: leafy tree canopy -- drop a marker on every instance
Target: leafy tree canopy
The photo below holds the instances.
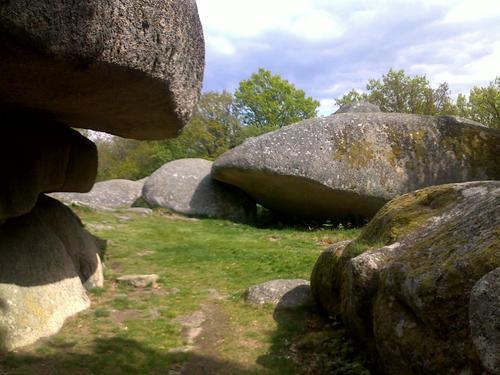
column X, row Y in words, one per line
column 398, row 92
column 268, row 101
column 213, row 130
column 484, row 104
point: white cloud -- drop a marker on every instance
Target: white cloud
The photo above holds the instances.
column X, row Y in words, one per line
column 328, row 47
column 327, row 107
column 220, row 43
column 317, row 25
column 473, row 10
column 244, row 19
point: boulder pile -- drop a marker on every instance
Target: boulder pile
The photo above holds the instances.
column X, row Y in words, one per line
column 128, row 68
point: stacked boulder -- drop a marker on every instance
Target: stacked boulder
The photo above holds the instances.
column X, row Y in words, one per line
column 186, row 186
column 348, row 165
column 419, row 286
column 132, row 69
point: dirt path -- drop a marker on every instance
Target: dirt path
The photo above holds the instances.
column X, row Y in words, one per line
column 204, row 332
column 204, row 358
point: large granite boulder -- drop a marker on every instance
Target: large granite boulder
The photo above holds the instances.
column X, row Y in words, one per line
column 130, row 68
column 45, row 258
column 185, row 186
column 351, row 164
column 42, row 158
column 406, row 285
column 108, row 194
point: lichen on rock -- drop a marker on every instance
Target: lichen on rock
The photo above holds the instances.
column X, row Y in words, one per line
column 406, row 298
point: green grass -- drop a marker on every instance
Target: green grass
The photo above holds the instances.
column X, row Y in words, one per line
column 132, row 331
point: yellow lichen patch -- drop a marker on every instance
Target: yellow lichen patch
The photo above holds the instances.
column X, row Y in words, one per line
column 479, row 151
column 357, row 154
column 418, row 144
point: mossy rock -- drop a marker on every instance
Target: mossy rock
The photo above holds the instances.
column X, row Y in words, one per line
column 347, row 166
column 406, row 298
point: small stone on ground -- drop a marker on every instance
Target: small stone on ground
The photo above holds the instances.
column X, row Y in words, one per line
column 139, row 281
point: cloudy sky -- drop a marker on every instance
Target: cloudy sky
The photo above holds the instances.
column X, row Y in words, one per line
column 328, row 47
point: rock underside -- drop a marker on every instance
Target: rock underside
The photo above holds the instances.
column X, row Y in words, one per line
column 132, row 69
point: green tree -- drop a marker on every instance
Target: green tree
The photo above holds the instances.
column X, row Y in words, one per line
column 484, row 104
column 213, row 130
column 268, row 101
column 351, row 97
column 398, row 92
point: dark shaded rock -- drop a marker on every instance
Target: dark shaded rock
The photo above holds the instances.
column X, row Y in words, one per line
column 41, row 157
column 105, row 195
column 403, row 286
column 484, row 317
column 358, row 107
column 128, row 68
column 349, row 165
column 285, row 294
column 185, row 186
column 45, row 257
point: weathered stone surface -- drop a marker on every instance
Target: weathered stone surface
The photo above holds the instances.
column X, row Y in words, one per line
column 105, row 195
column 139, row 281
column 82, row 247
column 185, row 186
column 484, row 318
column 285, row 294
column 349, row 165
column 44, row 258
column 358, row 107
column 128, row 68
column 42, row 158
column 403, row 286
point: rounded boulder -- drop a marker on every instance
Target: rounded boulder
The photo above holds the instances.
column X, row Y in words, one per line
column 186, row 186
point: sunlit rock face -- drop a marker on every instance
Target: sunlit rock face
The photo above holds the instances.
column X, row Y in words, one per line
column 47, row 260
column 422, row 295
column 130, row 68
column 349, row 165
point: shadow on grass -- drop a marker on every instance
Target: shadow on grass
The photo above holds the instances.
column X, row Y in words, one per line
column 113, row 356
column 307, row 342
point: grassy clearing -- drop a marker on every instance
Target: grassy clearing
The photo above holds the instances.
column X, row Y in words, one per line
column 204, row 265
